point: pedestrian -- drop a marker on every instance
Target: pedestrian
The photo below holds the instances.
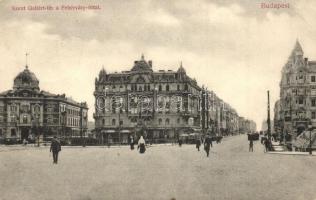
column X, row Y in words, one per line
column 207, row 145
column 132, row 142
column 251, row 145
column 141, row 145
column 266, row 145
column 55, row 147
column 109, row 140
column 180, row 142
column 24, row 142
column 198, row 144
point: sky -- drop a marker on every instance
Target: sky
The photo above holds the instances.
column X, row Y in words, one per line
column 235, row 48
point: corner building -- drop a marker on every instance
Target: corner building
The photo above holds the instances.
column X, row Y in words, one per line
column 297, row 109
column 159, row 104
column 27, row 112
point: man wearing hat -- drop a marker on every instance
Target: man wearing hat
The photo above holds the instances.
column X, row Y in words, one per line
column 207, row 144
column 55, row 148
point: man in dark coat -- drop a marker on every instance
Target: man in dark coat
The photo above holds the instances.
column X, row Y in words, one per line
column 207, row 144
column 55, row 148
column 266, row 145
column 251, row 145
column 198, row 144
column 131, row 142
column 180, row 142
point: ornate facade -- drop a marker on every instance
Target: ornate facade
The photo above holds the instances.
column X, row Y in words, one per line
column 26, row 111
column 159, row 104
column 297, row 109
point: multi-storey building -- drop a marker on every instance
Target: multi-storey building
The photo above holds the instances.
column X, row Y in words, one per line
column 159, row 104
column 277, row 120
column 297, row 93
column 26, row 111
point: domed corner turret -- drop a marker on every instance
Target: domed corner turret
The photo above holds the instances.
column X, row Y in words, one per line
column 102, row 74
column 142, row 65
column 296, row 52
column 26, row 80
column 181, row 69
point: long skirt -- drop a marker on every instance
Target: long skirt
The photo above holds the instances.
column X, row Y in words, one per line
column 142, row 148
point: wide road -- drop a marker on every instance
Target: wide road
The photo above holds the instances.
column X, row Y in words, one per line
column 163, row 172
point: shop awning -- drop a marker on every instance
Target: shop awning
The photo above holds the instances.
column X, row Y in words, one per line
column 108, row 131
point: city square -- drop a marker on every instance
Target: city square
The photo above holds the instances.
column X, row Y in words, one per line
column 163, row 172
column 158, row 100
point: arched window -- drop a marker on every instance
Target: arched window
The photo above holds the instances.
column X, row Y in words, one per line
column 103, row 122
column 140, row 88
column 178, row 120
column 113, row 122
column 178, row 87
column 167, row 121
column 159, row 121
column 160, row 88
column 24, row 119
column 167, row 87
column 186, row 87
column 37, row 109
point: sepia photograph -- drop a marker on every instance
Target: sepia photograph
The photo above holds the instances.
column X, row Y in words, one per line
column 157, row 100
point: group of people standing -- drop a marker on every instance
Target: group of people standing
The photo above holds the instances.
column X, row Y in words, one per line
column 207, row 142
column 141, row 146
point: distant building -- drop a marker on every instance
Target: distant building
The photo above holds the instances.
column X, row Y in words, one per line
column 26, row 111
column 264, row 126
column 297, row 94
column 277, row 123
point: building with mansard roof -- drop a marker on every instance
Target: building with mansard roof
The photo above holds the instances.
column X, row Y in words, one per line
column 297, row 104
column 26, row 111
column 161, row 105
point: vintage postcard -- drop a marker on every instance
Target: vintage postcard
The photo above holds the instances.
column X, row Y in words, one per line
column 157, row 99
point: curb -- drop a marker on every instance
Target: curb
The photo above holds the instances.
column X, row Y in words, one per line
column 291, row 153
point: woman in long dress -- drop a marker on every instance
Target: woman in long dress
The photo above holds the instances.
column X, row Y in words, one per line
column 141, row 145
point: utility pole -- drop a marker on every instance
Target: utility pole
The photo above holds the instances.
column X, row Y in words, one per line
column 268, row 121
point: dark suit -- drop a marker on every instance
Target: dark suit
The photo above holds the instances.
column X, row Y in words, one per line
column 207, row 145
column 55, row 148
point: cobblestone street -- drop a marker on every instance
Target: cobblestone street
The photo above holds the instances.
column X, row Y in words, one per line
column 163, row 172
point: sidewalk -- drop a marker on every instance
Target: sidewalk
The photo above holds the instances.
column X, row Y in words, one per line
column 4, row 148
column 291, row 153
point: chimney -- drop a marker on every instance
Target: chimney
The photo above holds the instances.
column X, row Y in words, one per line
column 150, row 63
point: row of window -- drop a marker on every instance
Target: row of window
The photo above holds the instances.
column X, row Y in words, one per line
column 302, row 78
column 146, row 87
column 73, row 122
column 73, row 112
column 167, row 121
